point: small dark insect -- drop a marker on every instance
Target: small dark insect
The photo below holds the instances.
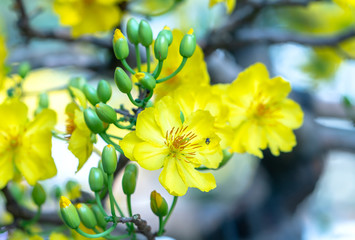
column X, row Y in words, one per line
column 207, row 141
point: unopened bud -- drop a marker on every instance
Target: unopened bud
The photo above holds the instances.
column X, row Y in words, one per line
column 166, row 32
column 38, row 195
column 129, row 179
column 93, row 122
column 90, row 94
column 109, row 159
column 86, row 215
column 104, row 91
column 69, row 214
column 100, row 218
column 161, row 48
column 106, row 113
column 158, row 204
column 146, row 79
column 145, row 33
column 132, row 31
column 188, row 44
column 123, row 82
column 96, row 179
column 120, row 45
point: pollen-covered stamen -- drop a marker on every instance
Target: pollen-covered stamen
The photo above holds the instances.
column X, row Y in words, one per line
column 179, row 139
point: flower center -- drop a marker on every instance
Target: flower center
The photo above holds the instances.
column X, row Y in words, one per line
column 70, row 126
column 180, row 143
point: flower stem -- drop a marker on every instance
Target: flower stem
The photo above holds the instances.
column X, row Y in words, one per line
column 158, row 69
column 98, row 201
column 34, row 219
column 121, row 213
column 102, row 234
column 129, row 206
column 170, row 210
column 107, row 139
column 128, row 68
column 112, row 198
column 112, row 237
column 123, row 127
column 138, row 57
column 133, row 101
column 161, row 228
column 182, row 64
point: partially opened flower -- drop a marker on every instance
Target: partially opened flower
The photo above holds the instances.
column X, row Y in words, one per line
column 261, row 113
column 88, row 16
column 25, row 146
column 163, row 140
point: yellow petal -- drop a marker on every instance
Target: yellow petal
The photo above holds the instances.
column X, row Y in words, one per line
column 79, row 95
column 147, row 129
column 167, row 114
column 193, row 178
column 201, row 122
column 79, row 121
column 6, row 168
column 280, row 138
column 81, row 146
column 171, row 179
column 150, row 156
column 127, row 144
column 44, row 121
column 15, row 112
column 291, row 114
column 277, row 88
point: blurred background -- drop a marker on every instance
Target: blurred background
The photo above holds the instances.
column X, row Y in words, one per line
column 306, row 194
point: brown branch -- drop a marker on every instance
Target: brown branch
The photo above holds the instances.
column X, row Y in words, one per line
column 28, row 31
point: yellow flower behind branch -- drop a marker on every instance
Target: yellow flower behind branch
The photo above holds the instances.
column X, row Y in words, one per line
column 163, row 140
column 261, row 113
column 25, row 146
column 88, row 16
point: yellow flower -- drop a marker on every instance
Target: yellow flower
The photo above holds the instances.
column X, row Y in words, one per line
column 58, row 236
column 191, row 99
column 261, row 113
column 162, row 140
column 346, row 4
column 36, row 237
column 88, row 16
column 80, row 143
column 25, row 147
column 230, row 4
column 194, row 72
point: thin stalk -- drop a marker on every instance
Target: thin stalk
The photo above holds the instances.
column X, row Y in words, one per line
column 138, row 57
column 158, row 69
column 99, row 203
column 98, row 235
column 133, row 101
column 161, row 228
column 115, row 137
column 121, row 213
column 129, row 206
column 148, row 59
column 112, row 198
column 128, row 68
column 112, row 237
column 107, row 139
column 170, row 211
column 34, row 219
column 123, row 127
column 182, row 64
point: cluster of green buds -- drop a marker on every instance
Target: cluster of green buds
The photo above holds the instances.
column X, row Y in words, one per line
column 141, row 34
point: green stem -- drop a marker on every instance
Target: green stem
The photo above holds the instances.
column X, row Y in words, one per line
column 158, row 69
column 148, row 59
column 182, row 64
column 113, row 136
column 110, row 193
column 107, row 139
column 170, row 211
column 128, row 68
column 123, row 127
column 56, row 135
column 102, row 234
column 121, row 213
column 138, row 57
column 161, row 228
column 99, row 203
column 34, row 219
column 133, row 101
column 129, row 206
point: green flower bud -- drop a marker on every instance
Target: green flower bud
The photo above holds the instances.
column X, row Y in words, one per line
column 38, row 195
column 104, row 91
column 145, row 33
column 166, row 32
column 132, row 31
column 93, row 121
column 86, row 215
column 69, row 214
column 77, row 82
column 129, row 179
column 161, row 48
column 24, row 69
column 188, row 44
column 57, row 192
column 120, row 45
column 109, row 159
column 100, row 218
column 90, row 94
column 158, row 204
column 43, row 100
column 106, row 113
column 146, row 79
column 122, row 80
column 103, row 172
column 96, row 179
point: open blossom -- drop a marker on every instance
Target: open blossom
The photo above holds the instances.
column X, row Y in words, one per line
column 261, row 114
column 163, row 140
column 25, row 146
column 88, row 16
column 194, row 72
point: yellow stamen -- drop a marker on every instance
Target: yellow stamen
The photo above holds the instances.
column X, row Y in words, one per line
column 191, row 31
column 166, row 28
column 139, row 75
